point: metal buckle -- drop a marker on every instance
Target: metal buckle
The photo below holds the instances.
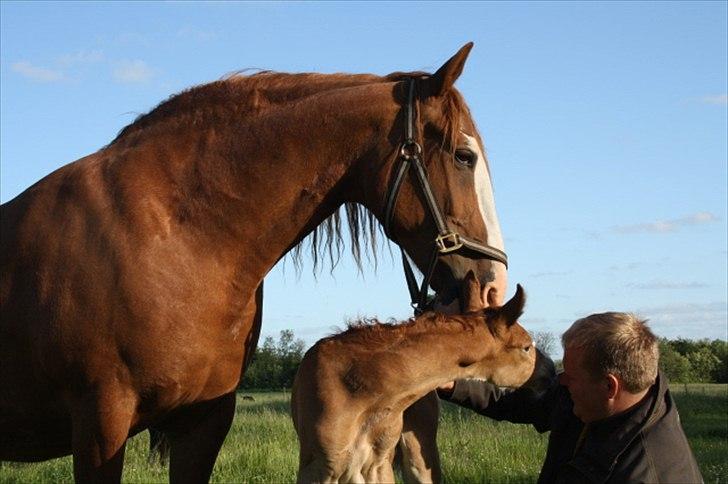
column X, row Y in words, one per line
column 410, row 150
column 448, row 242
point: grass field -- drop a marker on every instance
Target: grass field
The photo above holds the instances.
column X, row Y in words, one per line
column 262, row 447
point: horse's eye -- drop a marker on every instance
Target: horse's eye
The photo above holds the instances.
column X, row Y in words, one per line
column 465, row 157
column 527, row 348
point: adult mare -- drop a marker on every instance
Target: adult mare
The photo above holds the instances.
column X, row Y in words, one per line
column 130, row 279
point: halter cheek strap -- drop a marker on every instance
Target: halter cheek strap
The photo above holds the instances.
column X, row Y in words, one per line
column 446, row 241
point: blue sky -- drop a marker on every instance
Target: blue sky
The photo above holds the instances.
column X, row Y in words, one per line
column 605, row 125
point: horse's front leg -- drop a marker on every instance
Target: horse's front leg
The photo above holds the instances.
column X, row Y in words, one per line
column 101, row 420
column 420, row 457
column 196, row 436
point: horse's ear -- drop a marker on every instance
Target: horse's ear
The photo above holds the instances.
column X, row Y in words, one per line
column 470, row 301
column 513, row 309
column 445, row 77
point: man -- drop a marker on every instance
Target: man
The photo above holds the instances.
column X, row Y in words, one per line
column 610, row 413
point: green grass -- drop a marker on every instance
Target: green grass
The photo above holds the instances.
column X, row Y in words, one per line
column 262, row 447
column 704, row 416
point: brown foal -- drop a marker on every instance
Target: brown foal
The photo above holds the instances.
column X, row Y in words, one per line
column 352, row 388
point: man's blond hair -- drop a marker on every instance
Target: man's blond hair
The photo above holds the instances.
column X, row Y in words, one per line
column 616, row 343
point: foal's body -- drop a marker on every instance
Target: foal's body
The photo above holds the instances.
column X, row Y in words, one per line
column 352, row 389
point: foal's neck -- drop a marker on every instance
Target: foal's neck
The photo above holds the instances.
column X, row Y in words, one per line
column 426, row 358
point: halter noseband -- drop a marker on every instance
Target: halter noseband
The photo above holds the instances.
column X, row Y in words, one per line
column 446, row 241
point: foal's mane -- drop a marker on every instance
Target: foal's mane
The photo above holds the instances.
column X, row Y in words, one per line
column 374, row 332
column 241, row 95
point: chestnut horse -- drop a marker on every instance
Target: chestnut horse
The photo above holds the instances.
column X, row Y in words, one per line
column 351, row 389
column 130, row 279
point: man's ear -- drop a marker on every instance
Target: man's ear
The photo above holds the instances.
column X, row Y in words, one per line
column 612, row 386
column 445, row 77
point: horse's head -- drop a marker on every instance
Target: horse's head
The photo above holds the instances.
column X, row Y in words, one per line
column 509, row 358
column 459, row 206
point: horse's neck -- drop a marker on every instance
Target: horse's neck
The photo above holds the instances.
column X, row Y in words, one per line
column 261, row 183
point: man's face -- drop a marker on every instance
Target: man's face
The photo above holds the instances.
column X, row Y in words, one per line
column 590, row 395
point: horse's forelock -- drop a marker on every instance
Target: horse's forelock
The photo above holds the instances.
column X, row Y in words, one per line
column 454, row 110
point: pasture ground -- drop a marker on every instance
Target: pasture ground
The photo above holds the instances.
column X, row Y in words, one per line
column 262, row 446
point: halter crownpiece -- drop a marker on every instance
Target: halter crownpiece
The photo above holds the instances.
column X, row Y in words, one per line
column 446, row 241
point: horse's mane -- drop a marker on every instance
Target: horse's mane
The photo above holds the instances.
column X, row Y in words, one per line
column 382, row 334
column 244, row 95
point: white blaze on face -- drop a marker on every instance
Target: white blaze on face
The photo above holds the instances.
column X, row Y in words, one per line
column 484, row 192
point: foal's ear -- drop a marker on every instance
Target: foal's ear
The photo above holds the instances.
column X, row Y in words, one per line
column 470, row 300
column 445, row 77
column 513, row 309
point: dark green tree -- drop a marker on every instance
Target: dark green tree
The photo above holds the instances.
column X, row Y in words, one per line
column 675, row 366
column 274, row 364
column 290, row 353
column 720, row 349
column 702, row 364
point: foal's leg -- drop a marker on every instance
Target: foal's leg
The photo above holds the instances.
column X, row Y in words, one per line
column 196, row 437
column 382, row 473
column 420, row 457
column 100, row 428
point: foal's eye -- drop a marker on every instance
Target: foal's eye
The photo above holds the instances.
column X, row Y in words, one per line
column 527, row 348
column 465, row 157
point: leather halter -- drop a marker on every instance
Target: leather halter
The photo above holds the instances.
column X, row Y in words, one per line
column 446, row 241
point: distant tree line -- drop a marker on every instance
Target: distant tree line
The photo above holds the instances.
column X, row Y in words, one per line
column 275, row 363
column 689, row 361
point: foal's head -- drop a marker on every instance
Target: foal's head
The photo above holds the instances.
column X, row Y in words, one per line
column 510, row 358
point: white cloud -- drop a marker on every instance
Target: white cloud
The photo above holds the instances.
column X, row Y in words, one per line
column 719, row 99
column 667, row 226
column 666, row 285
column 629, row 266
column 691, row 320
column 133, row 38
column 197, row 34
column 132, row 71
column 537, row 275
column 81, row 57
column 35, row 73
column 533, row 320
column 683, row 310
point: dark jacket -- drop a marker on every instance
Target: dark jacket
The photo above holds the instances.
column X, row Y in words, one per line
column 643, row 444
